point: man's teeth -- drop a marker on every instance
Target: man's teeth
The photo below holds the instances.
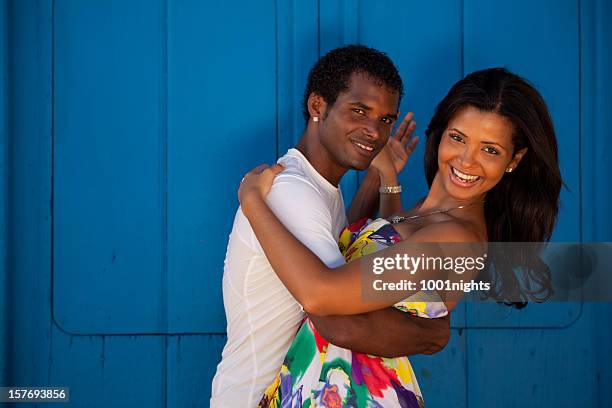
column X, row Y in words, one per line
column 364, row 147
column 464, row 177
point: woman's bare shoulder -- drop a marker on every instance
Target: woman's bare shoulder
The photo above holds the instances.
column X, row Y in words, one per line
column 452, row 230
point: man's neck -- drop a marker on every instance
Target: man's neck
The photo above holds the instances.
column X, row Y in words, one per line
column 318, row 156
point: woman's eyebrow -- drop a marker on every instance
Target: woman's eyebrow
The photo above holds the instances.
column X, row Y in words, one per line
column 493, row 143
column 483, row 141
column 458, row 131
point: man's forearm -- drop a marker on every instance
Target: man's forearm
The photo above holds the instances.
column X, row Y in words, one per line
column 389, row 204
column 365, row 202
column 386, row 333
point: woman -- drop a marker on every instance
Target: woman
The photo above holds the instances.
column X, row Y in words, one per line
column 490, row 141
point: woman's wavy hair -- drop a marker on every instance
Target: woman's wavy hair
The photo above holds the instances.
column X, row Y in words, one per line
column 523, row 206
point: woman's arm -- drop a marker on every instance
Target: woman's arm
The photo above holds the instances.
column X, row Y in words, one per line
column 319, row 289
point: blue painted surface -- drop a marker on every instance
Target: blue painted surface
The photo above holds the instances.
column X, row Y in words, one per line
column 4, row 332
column 488, row 42
column 129, row 124
column 109, row 165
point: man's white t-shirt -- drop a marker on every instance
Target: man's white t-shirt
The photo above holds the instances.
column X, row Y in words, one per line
column 262, row 316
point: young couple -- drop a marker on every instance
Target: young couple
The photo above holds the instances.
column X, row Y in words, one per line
column 292, row 267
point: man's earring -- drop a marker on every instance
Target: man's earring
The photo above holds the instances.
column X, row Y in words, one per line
column 509, row 170
column 315, row 118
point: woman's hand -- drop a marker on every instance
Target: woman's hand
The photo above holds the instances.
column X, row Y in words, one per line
column 398, row 150
column 257, row 183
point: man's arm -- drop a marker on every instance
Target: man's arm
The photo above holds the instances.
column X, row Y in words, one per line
column 386, row 333
column 366, row 200
column 384, row 169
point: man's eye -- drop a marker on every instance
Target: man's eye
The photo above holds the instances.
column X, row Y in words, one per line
column 456, row 137
column 491, row 150
column 359, row 111
column 387, row 121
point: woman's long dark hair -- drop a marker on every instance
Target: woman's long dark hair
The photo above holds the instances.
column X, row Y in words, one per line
column 523, row 206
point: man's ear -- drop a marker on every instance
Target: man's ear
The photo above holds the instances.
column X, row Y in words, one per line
column 517, row 158
column 316, row 106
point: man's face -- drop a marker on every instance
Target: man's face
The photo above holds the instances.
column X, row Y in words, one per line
column 357, row 126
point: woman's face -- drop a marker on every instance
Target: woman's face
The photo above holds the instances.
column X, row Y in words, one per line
column 475, row 151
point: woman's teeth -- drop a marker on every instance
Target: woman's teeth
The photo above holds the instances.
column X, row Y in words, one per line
column 466, row 178
column 364, row 147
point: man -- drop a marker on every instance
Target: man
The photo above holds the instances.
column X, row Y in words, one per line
column 350, row 106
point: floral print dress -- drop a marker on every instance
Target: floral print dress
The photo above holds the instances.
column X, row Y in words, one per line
column 316, row 373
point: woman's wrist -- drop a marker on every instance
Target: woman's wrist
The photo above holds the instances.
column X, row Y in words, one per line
column 249, row 202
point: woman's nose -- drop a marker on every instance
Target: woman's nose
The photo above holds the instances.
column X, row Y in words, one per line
column 468, row 157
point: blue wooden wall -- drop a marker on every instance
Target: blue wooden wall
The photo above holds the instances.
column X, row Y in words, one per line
column 125, row 127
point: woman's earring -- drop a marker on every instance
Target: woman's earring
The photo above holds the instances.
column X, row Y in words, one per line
column 315, row 118
column 509, row 170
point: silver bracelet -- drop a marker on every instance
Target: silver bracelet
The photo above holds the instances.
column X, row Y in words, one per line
column 390, row 189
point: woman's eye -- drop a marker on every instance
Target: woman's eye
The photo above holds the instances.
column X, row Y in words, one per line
column 491, row 150
column 456, row 137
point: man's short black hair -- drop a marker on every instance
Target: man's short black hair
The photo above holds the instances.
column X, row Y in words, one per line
column 330, row 75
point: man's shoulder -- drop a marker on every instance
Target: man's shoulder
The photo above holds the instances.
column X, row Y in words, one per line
column 293, row 179
column 293, row 166
column 296, row 193
column 297, row 178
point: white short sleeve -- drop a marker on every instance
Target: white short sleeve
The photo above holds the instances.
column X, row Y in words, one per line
column 307, row 215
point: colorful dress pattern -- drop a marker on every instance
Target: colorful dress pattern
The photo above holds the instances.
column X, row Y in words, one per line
column 316, row 373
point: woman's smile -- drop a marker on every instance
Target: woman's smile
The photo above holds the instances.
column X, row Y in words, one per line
column 462, row 179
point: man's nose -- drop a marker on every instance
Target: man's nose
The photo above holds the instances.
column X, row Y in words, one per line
column 371, row 129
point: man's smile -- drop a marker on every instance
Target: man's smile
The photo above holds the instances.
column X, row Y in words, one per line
column 363, row 147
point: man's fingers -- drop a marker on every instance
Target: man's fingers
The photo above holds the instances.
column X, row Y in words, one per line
column 411, row 145
column 403, row 126
column 408, row 133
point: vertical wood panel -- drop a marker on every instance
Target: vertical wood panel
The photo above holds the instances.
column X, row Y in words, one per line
column 109, row 175
column 109, row 371
column 192, row 363
column 596, row 111
column 135, row 372
column 298, row 50
column 221, row 123
column 29, row 191
column 442, row 376
column 533, row 368
column 4, row 332
column 78, row 362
